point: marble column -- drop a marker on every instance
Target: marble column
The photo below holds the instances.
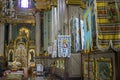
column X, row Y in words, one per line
column 37, row 30
column 54, row 23
column 2, row 29
column 10, row 32
column 61, row 16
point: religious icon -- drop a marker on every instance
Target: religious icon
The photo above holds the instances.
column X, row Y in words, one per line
column 112, row 11
column 11, row 56
column 104, row 69
column 64, row 44
column 32, row 55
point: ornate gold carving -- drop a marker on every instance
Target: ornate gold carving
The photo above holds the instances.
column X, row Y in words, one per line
column 77, row 2
column 53, row 2
column 24, row 32
column 20, row 49
column 43, row 4
column 88, row 66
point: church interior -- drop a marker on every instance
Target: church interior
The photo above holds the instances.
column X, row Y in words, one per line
column 59, row 39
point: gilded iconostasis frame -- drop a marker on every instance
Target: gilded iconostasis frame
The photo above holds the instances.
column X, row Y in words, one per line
column 88, row 68
column 11, row 55
column 104, row 69
column 21, row 49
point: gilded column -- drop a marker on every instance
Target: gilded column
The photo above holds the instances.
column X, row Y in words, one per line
column 37, row 37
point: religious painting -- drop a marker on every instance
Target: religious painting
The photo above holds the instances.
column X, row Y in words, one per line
column 112, row 12
column 88, row 69
column 64, row 45
column 11, row 55
column 24, row 32
column 31, row 55
column 104, row 69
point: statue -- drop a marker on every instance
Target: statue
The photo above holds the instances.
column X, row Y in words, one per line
column 11, row 56
column 32, row 54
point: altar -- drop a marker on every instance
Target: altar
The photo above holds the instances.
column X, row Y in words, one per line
column 21, row 50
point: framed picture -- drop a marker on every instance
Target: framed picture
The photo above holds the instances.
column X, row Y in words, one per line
column 64, row 45
column 88, row 69
column 104, row 69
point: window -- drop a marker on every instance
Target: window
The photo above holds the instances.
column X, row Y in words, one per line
column 24, row 3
